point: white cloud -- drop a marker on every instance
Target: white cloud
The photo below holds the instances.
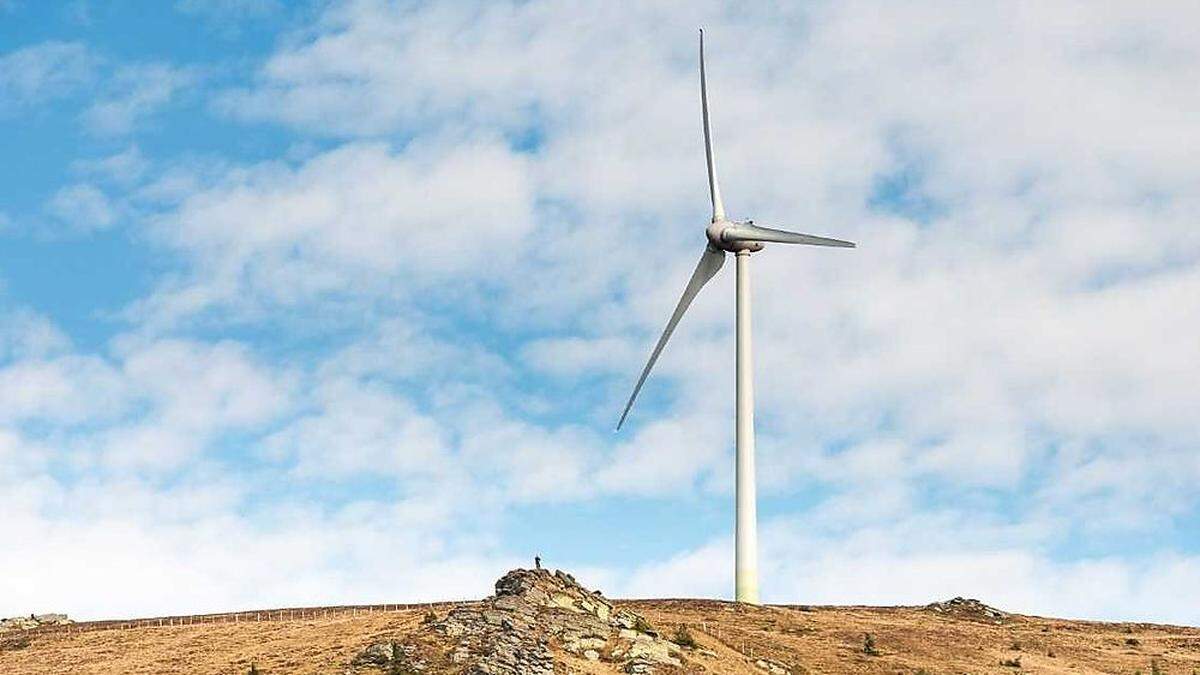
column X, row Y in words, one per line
column 152, row 405
column 358, row 218
column 64, row 389
column 134, row 93
column 195, row 392
column 667, row 456
column 43, row 72
column 571, row 356
column 515, row 461
column 83, row 208
column 24, row 334
column 124, row 168
column 358, row 429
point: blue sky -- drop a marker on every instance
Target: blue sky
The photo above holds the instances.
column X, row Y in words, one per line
column 331, row 302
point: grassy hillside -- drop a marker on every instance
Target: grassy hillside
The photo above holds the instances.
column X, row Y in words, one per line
column 816, row 640
column 546, row 624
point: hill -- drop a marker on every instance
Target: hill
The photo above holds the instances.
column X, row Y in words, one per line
column 540, row 623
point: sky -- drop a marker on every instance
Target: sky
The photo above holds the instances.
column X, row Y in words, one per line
column 338, row 302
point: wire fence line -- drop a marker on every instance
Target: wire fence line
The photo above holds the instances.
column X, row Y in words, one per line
column 737, row 644
column 253, row 616
column 729, row 638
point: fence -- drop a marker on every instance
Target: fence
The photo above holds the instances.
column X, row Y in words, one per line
column 256, row 616
column 734, row 642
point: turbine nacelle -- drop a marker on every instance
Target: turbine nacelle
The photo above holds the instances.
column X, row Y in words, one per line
column 734, row 236
column 721, row 236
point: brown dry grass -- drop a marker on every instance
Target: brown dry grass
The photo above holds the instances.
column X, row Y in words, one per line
column 303, row 647
column 816, row 640
column 830, row 640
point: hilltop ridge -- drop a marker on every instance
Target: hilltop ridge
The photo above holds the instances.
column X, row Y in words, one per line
column 545, row 623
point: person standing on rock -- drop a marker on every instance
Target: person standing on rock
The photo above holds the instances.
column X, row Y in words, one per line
column 537, row 562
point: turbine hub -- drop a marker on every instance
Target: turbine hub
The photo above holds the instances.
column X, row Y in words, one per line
column 716, row 238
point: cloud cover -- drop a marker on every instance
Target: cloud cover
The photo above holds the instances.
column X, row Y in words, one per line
column 503, row 205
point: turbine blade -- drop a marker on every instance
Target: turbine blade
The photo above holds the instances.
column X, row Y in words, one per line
column 714, row 191
column 709, row 264
column 749, row 232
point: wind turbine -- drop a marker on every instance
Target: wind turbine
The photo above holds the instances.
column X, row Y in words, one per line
column 740, row 238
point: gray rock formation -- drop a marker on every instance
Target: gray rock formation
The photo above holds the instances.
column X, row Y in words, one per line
column 33, row 621
column 532, row 609
column 968, row 608
column 533, row 613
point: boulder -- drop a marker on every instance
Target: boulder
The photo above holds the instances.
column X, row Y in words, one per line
column 512, row 632
column 34, row 621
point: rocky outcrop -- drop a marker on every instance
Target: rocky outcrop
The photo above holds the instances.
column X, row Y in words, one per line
column 34, row 621
column 968, row 608
column 532, row 610
column 534, row 615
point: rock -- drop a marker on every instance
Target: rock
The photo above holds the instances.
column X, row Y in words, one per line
column 639, row 667
column 56, row 619
column 772, row 667
column 390, row 655
column 653, row 651
column 968, row 608
column 34, row 621
column 511, row 632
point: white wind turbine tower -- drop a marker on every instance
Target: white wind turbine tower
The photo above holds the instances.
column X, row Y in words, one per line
column 740, row 238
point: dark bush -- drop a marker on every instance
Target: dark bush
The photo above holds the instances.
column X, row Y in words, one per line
column 683, row 637
column 869, row 645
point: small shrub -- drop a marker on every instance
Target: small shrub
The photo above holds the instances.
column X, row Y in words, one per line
column 642, row 626
column 253, row 669
column 14, row 643
column 683, row 637
column 1132, row 642
column 869, row 645
column 1154, row 669
column 1011, row 663
column 430, row 617
column 1050, row 653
